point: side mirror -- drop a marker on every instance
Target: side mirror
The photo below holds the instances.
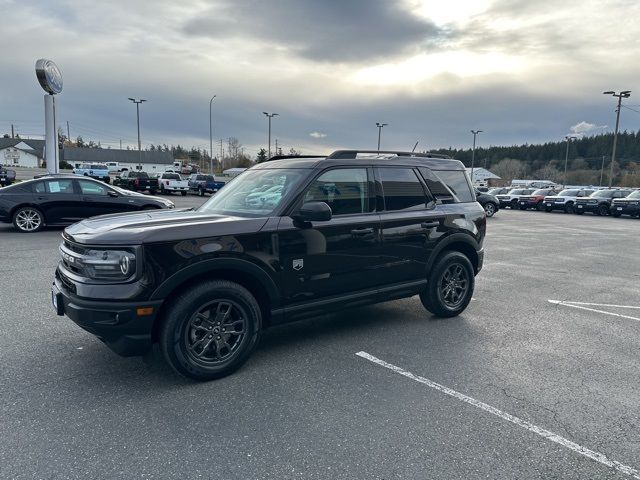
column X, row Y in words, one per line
column 314, row 212
column 111, row 193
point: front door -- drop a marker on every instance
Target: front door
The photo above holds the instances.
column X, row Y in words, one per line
column 97, row 201
column 58, row 200
column 339, row 256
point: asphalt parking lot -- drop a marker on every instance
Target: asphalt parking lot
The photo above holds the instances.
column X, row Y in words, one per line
column 539, row 378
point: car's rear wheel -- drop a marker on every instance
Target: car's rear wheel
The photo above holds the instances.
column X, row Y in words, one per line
column 211, row 330
column 603, row 210
column 450, row 285
column 490, row 209
column 28, row 220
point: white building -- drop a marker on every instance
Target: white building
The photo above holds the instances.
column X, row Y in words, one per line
column 150, row 161
column 16, row 152
column 481, row 175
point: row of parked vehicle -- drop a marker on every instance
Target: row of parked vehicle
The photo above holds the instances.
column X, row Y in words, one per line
column 167, row 183
column 599, row 201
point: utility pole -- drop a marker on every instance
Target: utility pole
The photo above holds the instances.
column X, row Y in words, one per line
column 276, row 147
column 602, row 169
column 68, row 132
column 270, row 116
column 12, row 133
column 211, row 133
column 380, row 125
column 568, row 138
column 473, row 152
column 138, row 102
column 120, row 144
column 621, row 95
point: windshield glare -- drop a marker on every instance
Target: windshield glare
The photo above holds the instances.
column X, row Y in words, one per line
column 569, row 193
column 603, row 194
column 254, row 193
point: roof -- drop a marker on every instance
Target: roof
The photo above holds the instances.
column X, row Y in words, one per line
column 482, row 173
column 103, row 155
column 35, row 147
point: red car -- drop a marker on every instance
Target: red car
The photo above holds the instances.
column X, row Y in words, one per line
column 535, row 199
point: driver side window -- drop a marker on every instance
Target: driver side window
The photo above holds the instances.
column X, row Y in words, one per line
column 345, row 190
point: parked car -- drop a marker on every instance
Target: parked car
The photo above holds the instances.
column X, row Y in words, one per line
column 599, row 202
column 489, row 202
column 512, row 198
column 99, row 171
column 116, row 167
column 137, row 182
column 629, row 205
column 536, row 199
column 172, row 182
column 7, row 176
column 204, row 283
column 499, row 190
column 65, row 199
column 565, row 200
column 201, row 184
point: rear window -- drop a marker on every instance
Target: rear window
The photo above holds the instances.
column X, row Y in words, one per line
column 456, row 181
column 139, row 174
column 97, row 166
column 171, row 176
column 402, row 189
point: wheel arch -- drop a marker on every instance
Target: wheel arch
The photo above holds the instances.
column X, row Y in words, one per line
column 457, row 242
column 13, row 211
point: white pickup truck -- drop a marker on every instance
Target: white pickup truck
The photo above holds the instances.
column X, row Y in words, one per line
column 171, row 182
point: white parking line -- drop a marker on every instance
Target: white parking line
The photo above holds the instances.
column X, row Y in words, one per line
column 598, row 457
column 598, row 304
column 582, row 307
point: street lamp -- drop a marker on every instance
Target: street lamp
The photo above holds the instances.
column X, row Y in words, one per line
column 211, row 135
column 473, row 152
column 138, row 102
column 568, row 138
column 270, row 116
column 621, row 95
column 380, row 125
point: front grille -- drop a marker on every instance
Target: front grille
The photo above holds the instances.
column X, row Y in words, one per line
column 67, row 283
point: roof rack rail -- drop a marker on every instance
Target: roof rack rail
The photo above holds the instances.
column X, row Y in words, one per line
column 284, row 157
column 354, row 153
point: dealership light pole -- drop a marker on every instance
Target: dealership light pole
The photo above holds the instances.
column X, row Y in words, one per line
column 473, row 151
column 211, row 134
column 270, row 116
column 621, row 95
column 138, row 102
column 380, row 125
column 568, row 138
column 50, row 80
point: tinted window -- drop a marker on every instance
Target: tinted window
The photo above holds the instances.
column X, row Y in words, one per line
column 345, row 190
column 92, row 188
column 402, row 189
column 171, row 176
column 456, row 181
column 59, row 186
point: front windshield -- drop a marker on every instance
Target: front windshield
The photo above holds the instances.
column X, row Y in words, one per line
column 494, row 191
column 542, row 191
column 254, row 193
column 635, row 194
column 569, row 193
column 603, row 194
column 518, row 191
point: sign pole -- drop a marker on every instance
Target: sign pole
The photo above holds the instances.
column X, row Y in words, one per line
column 50, row 80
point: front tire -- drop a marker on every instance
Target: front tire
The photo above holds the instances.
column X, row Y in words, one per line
column 201, row 192
column 211, row 330
column 569, row 208
column 450, row 285
column 513, row 204
column 183, row 193
column 603, row 210
column 28, row 220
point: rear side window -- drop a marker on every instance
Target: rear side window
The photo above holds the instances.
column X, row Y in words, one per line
column 456, row 181
column 402, row 189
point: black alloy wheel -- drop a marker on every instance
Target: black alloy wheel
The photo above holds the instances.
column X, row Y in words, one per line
column 210, row 330
column 450, row 285
column 489, row 209
column 603, row 210
column 28, row 220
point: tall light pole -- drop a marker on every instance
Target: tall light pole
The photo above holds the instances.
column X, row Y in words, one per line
column 211, row 134
column 270, row 116
column 568, row 138
column 138, row 102
column 380, row 125
column 473, row 151
column 621, row 95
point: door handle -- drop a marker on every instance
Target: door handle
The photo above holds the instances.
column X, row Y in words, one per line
column 430, row 224
column 362, row 231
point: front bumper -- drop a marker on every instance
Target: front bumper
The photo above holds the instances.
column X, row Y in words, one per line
column 586, row 207
column 625, row 209
column 555, row 205
column 117, row 324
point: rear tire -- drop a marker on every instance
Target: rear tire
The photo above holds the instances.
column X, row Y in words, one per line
column 210, row 330
column 450, row 285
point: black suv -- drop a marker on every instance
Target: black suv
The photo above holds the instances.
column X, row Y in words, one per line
column 286, row 239
column 599, row 202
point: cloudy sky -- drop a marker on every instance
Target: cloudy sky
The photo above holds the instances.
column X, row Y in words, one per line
column 524, row 71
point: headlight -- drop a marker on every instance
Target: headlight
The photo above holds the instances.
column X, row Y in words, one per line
column 169, row 204
column 107, row 264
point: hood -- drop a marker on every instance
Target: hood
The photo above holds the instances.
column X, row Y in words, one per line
column 157, row 226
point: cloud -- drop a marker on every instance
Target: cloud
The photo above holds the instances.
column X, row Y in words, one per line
column 583, row 128
column 318, row 135
column 334, row 31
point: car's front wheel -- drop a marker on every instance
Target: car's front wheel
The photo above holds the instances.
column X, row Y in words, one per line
column 201, row 192
column 603, row 210
column 490, row 209
column 568, row 208
column 450, row 285
column 28, row 220
column 513, row 204
column 211, row 330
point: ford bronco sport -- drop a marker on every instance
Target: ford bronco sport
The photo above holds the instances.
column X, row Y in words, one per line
column 341, row 231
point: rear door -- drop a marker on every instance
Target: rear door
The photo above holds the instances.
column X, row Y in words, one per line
column 410, row 223
column 58, row 200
